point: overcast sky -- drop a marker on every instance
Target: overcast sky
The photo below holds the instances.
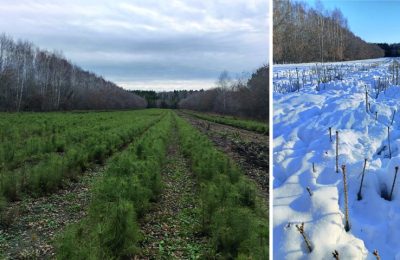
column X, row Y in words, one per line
column 145, row 44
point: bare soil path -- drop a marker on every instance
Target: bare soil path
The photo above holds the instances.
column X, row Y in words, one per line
column 170, row 227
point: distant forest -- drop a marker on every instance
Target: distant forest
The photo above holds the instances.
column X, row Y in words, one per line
column 305, row 34
column 32, row 79
column 165, row 99
column 243, row 98
column 391, row 50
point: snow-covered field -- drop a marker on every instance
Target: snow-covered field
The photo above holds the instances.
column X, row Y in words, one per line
column 308, row 100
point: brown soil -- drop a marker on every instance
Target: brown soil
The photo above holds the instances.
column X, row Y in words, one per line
column 170, row 227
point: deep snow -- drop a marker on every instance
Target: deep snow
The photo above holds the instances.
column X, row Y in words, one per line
column 301, row 137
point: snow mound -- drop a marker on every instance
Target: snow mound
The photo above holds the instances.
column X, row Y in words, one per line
column 310, row 102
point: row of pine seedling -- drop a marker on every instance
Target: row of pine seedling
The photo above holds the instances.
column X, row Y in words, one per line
column 53, row 169
column 233, row 215
column 131, row 182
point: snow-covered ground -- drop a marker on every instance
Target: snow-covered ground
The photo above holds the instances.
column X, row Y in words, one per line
column 334, row 96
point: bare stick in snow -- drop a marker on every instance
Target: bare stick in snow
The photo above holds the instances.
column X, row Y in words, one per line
column 309, row 191
column 337, row 151
column 366, row 101
column 335, row 254
column 346, row 200
column 359, row 195
column 394, row 113
column 376, row 254
column 301, row 230
column 390, row 150
column 376, row 115
column 313, row 167
column 330, row 134
column 394, row 181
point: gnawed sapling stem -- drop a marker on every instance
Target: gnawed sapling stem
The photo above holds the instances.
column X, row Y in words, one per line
column 337, row 151
column 390, row 150
column 335, row 254
column 309, row 191
column 301, row 230
column 394, row 181
column 376, row 254
column 394, row 113
column 359, row 195
column 346, row 202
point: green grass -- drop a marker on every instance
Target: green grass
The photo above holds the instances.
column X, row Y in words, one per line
column 246, row 124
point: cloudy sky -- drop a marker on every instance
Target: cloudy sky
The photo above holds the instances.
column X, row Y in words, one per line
column 147, row 44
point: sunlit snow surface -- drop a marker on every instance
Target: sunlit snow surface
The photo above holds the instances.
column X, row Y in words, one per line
column 301, row 137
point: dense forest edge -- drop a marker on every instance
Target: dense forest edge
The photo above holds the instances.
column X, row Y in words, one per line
column 305, row 34
column 245, row 98
column 391, row 50
column 32, row 79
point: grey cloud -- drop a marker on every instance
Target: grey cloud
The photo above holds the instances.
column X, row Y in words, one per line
column 138, row 40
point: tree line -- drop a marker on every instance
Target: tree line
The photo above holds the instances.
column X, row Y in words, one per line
column 164, row 99
column 305, row 34
column 391, row 50
column 32, row 79
column 242, row 98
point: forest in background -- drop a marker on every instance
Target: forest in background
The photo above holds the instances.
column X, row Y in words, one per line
column 236, row 97
column 391, row 50
column 247, row 99
column 32, row 79
column 305, row 34
column 164, row 99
